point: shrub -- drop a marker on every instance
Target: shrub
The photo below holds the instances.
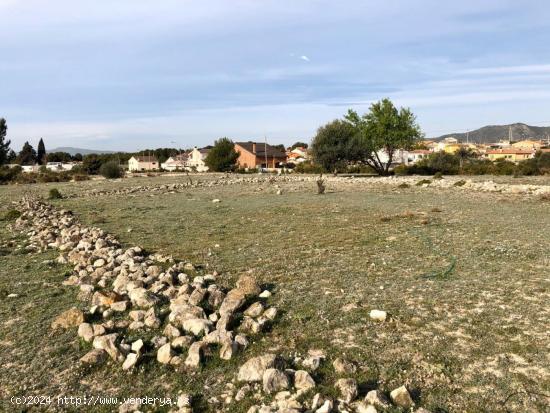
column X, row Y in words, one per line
column 404, row 185
column 8, row 174
column 80, row 177
column 438, row 175
column 320, row 186
column 11, row 215
column 111, row 170
column 460, row 183
column 309, row 168
column 423, row 181
column 54, row 194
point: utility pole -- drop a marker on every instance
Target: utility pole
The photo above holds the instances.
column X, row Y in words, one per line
column 265, row 151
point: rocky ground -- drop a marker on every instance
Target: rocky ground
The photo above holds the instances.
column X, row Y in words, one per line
column 384, row 294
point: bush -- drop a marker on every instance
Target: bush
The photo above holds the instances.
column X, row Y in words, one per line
column 11, row 215
column 309, row 168
column 78, row 178
column 404, row 185
column 111, row 170
column 423, row 181
column 54, row 194
column 438, row 175
column 460, row 183
column 8, row 174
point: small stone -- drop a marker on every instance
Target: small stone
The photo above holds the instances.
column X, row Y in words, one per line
column 402, row 398
column 108, row 343
column 348, row 389
column 274, row 380
column 194, row 356
column 343, row 366
column 265, row 294
column 99, row 263
column 270, row 313
column 197, row 326
column 326, row 407
column 377, row 398
column 130, row 362
column 303, row 381
column 119, row 306
column 216, row 201
column 248, row 285
column 86, row 331
column 362, row 407
column 255, row 310
column 164, row 354
column 378, row 315
column 137, row 345
column 184, row 400
column 13, row 295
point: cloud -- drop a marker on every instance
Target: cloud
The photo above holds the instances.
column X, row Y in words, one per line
column 536, row 68
column 304, row 58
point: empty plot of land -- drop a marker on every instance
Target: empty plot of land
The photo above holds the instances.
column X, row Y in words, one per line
column 463, row 275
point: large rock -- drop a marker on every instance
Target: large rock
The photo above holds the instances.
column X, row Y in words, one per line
column 343, row 366
column 255, row 310
column 94, row 356
column 254, row 369
column 347, row 388
column 274, row 380
column 165, row 354
column 86, row 332
column 130, row 362
column 197, row 326
column 248, row 285
column 140, row 297
column 108, row 343
column 232, row 302
column 70, row 318
column 377, row 398
column 402, row 398
column 303, row 381
column 194, row 355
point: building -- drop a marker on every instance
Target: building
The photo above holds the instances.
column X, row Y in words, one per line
column 259, row 155
column 509, row 154
column 528, row 144
column 143, row 163
column 297, row 155
column 195, row 159
column 175, row 163
column 417, row 155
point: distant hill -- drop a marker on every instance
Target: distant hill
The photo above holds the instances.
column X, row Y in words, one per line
column 494, row 133
column 74, row 151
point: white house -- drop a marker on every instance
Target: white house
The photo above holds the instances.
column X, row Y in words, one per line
column 417, row 155
column 196, row 159
column 175, row 163
column 143, row 163
column 54, row 166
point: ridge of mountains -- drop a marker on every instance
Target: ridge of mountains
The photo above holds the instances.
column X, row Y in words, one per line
column 494, row 133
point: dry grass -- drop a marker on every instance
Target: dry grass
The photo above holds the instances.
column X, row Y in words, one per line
column 464, row 277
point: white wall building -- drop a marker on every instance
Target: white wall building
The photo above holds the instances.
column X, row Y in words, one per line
column 196, row 159
column 143, row 163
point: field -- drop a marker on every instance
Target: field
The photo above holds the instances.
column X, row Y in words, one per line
column 464, row 276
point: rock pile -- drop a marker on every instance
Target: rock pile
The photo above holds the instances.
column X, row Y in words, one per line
column 286, row 390
column 125, row 290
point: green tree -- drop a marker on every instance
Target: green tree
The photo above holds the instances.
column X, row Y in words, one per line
column 41, row 152
column 78, row 157
column 297, row 144
column 384, row 128
column 4, row 144
column 111, row 170
column 222, row 157
column 463, row 154
column 334, row 145
column 92, row 163
column 27, row 156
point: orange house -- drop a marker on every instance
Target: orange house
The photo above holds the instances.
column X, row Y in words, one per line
column 259, row 155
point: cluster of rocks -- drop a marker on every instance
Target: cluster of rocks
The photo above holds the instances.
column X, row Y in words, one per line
column 290, row 390
column 127, row 291
column 180, row 186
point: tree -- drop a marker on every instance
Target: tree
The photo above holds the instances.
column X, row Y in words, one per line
column 27, row 156
column 92, row 163
column 384, row 129
column 111, row 170
column 59, row 157
column 77, row 157
column 41, row 152
column 299, row 144
column 464, row 153
column 4, row 144
column 334, row 145
column 222, row 157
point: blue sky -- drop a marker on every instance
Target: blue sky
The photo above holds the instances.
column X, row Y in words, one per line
column 131, row 74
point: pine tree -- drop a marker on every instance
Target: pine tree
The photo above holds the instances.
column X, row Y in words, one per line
column 41, row 152
column 4, row 145
column 27, row 156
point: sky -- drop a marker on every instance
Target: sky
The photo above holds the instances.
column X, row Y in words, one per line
column 135, row 74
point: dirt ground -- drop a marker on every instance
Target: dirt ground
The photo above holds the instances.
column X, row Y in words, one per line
column 464, row 276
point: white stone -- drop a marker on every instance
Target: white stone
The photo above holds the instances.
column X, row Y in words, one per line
column 378, row 315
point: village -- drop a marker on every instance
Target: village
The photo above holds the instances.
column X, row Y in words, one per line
column 263, row 156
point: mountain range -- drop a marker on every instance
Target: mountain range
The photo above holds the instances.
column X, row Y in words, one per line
column 494, row 133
